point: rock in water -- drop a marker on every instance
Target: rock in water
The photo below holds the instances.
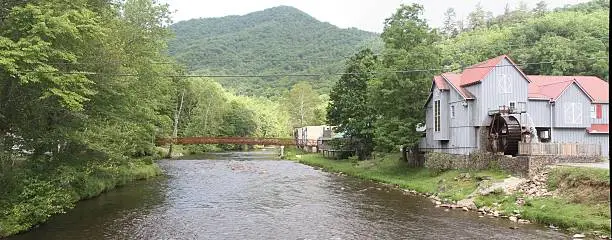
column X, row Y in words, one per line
column 579, row 236
column 467, row 203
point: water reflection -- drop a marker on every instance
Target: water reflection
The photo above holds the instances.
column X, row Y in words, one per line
column 265, row 199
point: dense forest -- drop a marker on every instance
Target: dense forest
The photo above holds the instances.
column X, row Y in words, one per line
column 87, row 85
column 279, row 40
column 578, row 33
column 371, row 104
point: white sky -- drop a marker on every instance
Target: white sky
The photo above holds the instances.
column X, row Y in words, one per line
column 363, row 14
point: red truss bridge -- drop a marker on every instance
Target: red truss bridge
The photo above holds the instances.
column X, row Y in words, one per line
column 235, row 140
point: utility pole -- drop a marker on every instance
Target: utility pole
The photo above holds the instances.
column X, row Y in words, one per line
column 177, row 115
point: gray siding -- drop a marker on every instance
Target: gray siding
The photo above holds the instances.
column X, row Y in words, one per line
column 475, row 105
column 499, row 87
column 572, row 108
column 461, row 141
column 443, row 96
column 605, row 115
column 577, row 135
column 459, row 136
column 539, row 111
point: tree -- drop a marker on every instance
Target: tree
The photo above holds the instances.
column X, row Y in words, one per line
column 350, row 109
column 478, row 18
column 398, row 96
column 540, row 8
column 301, row 103
column 450, row 23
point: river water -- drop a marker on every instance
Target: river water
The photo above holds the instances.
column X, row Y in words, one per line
column 247, row 195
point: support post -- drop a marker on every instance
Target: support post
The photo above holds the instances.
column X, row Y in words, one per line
column 282, row 152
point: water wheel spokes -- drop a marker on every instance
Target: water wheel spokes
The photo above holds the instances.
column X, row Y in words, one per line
column 504, row 134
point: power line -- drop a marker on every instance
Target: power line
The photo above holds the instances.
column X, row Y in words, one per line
column 289, row 59
column 311, row 74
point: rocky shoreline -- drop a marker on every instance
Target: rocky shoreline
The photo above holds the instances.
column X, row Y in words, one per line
column 533, row 187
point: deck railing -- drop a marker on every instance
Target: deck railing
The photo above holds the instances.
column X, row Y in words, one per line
column 560, row 149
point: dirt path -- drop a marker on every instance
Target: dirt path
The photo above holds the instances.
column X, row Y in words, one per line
column 604, row 165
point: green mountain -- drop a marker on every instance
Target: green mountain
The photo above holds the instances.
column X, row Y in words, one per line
column 275, row 41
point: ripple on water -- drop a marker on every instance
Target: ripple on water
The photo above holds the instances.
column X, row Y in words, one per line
column 237, row 198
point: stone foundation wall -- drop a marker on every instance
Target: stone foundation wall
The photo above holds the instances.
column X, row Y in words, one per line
column 475, row 161
column 523, row 166
column 537, row 163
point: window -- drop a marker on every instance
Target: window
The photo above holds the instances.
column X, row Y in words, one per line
column 452, row 110
column 437, row 116
column 512, row 105
column 573, row 113
column 596, row 111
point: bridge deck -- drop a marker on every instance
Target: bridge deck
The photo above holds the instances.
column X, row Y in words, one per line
column 235, row 140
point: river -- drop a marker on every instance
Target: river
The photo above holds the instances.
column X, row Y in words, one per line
column 247, row 195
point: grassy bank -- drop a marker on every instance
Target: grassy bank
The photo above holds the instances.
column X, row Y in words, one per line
column 580, row 203
column 33, row 196
column 454, row 185
column 588, row 211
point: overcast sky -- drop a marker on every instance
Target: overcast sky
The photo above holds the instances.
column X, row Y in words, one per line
column 363, row 14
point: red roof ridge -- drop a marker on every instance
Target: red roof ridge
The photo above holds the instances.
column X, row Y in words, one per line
column 475, row 73
column 486, row 61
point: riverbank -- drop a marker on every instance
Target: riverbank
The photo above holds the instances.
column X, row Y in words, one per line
column 33, row 195
column 586, row 214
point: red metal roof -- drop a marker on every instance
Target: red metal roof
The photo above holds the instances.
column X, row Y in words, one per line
column 455, row 80
column 595, row 87
column 440, row 83
column 598, row 128
column 477, row 72
column 553, row 86
column 540, row 87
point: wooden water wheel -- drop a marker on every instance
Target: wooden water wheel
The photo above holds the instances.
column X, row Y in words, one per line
column 504, row 134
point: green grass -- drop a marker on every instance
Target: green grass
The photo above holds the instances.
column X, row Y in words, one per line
column 390, row 169
column 36, row 196
column 576, row 176
column 560, row 212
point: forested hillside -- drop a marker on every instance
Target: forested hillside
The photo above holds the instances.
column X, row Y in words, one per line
column 574, row 37
column 572, row 40
column 277, row 40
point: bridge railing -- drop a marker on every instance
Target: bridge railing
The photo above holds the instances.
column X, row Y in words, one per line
column 226, row 140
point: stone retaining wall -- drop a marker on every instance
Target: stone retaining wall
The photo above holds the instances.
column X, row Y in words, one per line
column 537, row 163
column 523, row 166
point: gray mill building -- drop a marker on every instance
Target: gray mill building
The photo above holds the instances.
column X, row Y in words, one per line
column 493, row 106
